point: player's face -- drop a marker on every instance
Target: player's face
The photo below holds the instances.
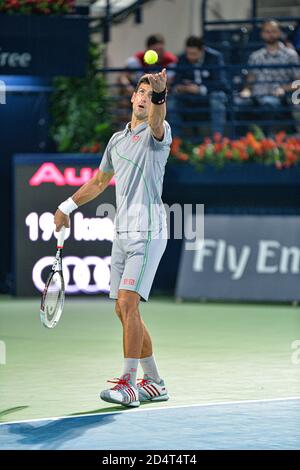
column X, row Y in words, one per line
column 141, row 101
column 270, row 33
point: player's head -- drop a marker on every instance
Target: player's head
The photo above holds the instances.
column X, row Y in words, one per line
column 193, row 49
column 156, row 42
column 270, row 32
column 141, row 98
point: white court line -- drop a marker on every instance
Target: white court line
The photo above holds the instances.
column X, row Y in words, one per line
column 140, row 410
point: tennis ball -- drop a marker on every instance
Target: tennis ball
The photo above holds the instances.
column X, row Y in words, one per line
column 150, row 57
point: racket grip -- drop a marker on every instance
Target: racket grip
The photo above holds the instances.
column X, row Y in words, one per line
column 61, row 237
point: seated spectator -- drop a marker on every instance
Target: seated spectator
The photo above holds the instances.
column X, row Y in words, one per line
column 156, row 42
column 270, row 88
column 199, row 82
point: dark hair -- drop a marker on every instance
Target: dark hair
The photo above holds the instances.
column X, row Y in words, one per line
column 155, row 39
column 194, row 41
column 269, row 21
column 143, row 79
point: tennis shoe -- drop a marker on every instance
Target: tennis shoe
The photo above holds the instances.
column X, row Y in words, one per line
column 123, row 393
column 149, row 390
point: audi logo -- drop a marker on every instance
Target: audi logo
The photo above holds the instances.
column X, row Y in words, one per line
column 90, row 274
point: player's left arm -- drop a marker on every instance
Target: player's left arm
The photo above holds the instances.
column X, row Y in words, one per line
column 158, row 110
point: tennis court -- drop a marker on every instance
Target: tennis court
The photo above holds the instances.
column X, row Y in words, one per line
column 228, row 368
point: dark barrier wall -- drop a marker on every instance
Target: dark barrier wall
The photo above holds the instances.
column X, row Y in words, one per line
column 38, row 188
column 24, row 125
column 33, row 48
column 44, row 46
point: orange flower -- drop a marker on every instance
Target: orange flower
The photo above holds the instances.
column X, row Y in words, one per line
column 95, row 148
column 250, row 139
column 268, row 144
column 243, row 155
column 217, row 137
column 218, row 147
column 175, row 146
column 291, row 157
column 280, row 137
column 183, row 156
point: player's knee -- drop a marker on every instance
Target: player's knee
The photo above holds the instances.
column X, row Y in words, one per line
column 128, row 306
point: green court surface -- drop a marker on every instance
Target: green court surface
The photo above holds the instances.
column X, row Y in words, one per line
column 207, row 353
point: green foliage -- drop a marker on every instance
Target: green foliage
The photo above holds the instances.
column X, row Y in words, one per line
column 80, row 108
column 37, row 7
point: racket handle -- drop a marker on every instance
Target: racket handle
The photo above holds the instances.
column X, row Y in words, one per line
column 61, row 237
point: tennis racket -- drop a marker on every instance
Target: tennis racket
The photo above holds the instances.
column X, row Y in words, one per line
column 53, row 296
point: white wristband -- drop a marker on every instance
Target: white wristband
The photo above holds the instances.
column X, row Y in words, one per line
column 68, row 206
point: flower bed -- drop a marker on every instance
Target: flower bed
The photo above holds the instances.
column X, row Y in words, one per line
column 39, row 7
column 282, row 151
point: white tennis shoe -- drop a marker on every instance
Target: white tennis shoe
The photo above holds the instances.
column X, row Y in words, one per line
column 123, row 393
column 149, row 390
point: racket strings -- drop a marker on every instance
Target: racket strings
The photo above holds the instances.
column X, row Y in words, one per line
column 53, row 296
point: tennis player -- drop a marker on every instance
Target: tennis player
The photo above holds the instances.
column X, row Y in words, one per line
column 136, row 157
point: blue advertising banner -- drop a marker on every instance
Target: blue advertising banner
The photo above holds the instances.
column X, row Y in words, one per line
column 44, row 46
column 242, row 258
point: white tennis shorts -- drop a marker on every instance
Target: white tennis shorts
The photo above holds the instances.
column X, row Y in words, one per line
column 134, row 261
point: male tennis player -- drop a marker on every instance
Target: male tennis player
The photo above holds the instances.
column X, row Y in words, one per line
column 137, row 157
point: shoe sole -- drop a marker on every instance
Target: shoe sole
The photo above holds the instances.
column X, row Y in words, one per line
column 133, row 404
column 162, row 398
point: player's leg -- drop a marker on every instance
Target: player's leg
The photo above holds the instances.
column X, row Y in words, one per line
column 125, row 391
column 147, row 349
column 147, row 360
column 142, row 259
column 139, row 273
column 132, row 323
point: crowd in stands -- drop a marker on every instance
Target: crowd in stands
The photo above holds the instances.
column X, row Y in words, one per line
column 200, row 90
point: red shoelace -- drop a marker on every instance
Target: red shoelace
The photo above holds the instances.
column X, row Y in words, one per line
column 143, row 382
column 120, row 383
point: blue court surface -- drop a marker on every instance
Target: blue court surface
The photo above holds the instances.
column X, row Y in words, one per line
column 265, row 424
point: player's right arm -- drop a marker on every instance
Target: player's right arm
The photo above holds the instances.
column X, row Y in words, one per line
column 87, row 192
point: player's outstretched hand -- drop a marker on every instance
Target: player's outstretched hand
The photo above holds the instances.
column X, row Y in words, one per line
column 61, row 219
column 158, row 81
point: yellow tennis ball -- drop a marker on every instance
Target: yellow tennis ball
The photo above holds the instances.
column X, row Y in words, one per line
column 150, row 57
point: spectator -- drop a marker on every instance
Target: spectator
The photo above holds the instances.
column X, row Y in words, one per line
column 199, row 81
column 270, row 87
column 156, row 42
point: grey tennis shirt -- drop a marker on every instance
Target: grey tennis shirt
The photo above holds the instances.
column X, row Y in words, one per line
column 138, row 161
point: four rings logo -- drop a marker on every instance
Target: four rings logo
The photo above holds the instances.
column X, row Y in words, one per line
column 90, row 274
